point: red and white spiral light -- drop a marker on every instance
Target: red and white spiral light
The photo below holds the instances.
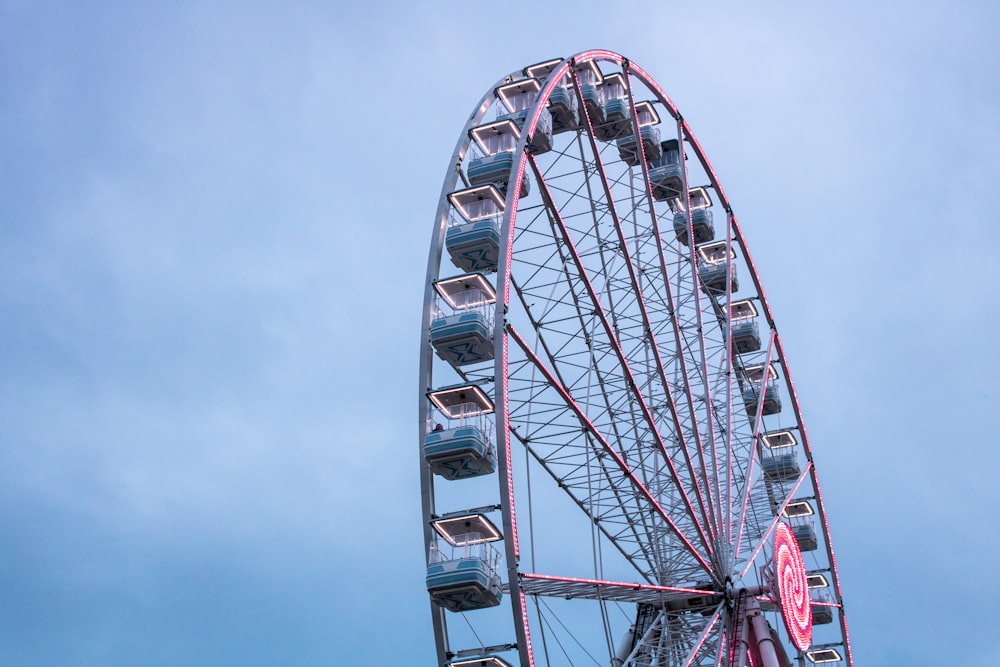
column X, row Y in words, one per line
column 793, row 587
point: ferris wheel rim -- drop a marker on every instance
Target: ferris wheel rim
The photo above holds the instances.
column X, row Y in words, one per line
column 505, row 331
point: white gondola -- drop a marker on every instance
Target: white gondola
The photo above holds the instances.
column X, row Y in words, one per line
column 562, row 104
column 518, row 97
column 617, row 114
column 744, row 328
column 463, row 338
column 746, row 336
column 494, row 170
column 473, row 235
column 460, row 453
column 462, row 573
column 822, row 613
column 590, row 78
column 665, row 173
column 772, row 400
column 494, row 158
column 464, row 448
column 701, row 223
column 780, row 467
column 462, row 329
column 713, row 268
column 563, row 108
column 805, row 534
column 713, row 278
column 701, row 216
column 649, row 134
column 758, row 381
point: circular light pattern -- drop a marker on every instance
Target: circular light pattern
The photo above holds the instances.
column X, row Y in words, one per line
column 793, row 588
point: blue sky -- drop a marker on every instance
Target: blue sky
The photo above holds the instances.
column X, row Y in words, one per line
column 214, row 223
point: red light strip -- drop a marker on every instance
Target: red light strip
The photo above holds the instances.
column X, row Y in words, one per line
column 503, row 427
column 817, row 603
column 527, row 635
column 621, row 584
column 509, row 458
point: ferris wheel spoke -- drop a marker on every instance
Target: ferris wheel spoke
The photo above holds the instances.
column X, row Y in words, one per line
column 604, row 512
column 613, row 338
column 701, row 361
column 655, row 225
column 758, row 423
column 670, row 638
column 649, row 341
column 703, row 638
column 624, row 517
column 558, row 358
column 645, row 639
column 766, row 535
column 553, row 437
column 725, row 321
column 533, row 583
column 624, row 467
column 684, row 341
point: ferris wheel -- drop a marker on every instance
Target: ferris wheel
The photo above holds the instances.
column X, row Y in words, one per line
column 614, row 466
